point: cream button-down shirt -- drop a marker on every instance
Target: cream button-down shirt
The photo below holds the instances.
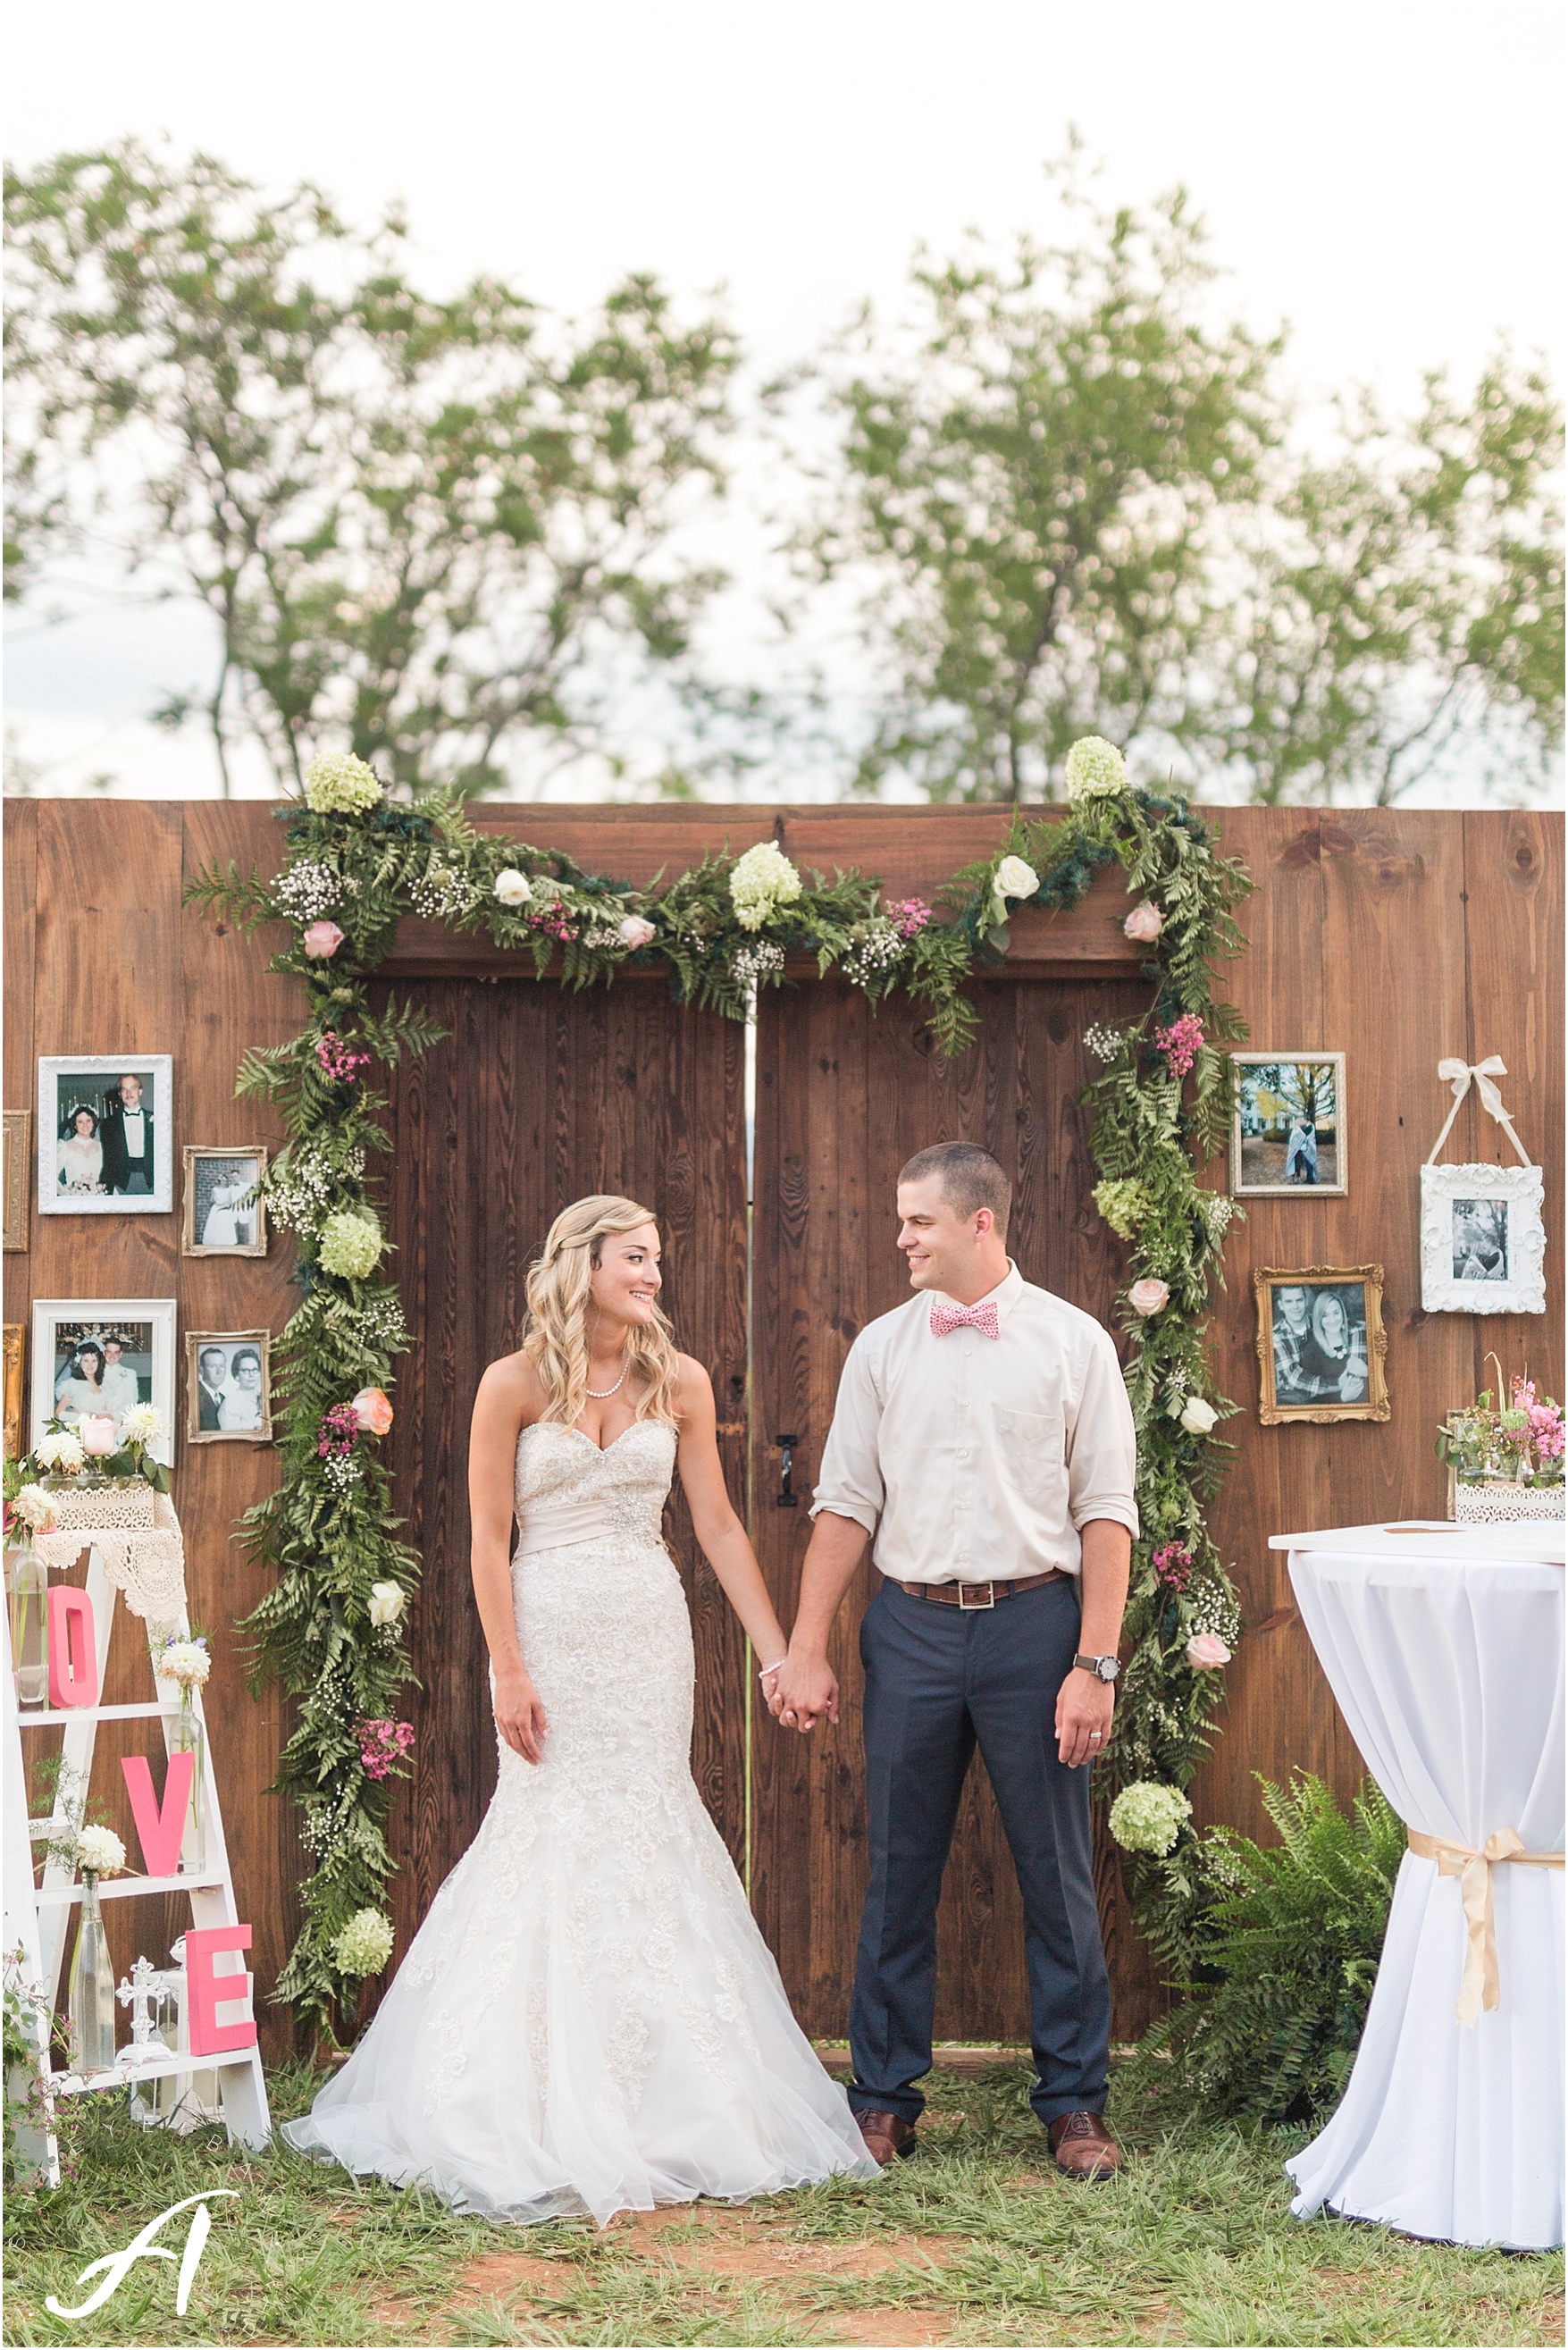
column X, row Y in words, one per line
column 970, row 1458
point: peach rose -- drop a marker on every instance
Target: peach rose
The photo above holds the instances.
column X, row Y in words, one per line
column 636, row 931
column 1147, row 1296
column 373, row 1411
column 321, row 939
column 1206, row 1652
column 1145, row 923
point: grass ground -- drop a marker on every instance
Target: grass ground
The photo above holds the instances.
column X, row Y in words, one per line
column 976, row 2240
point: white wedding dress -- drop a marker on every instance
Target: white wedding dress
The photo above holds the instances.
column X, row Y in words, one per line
column 588, row 2019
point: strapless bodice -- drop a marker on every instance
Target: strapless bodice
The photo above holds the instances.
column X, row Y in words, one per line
column 562, row 1468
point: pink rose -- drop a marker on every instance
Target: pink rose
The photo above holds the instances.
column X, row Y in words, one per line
column 1206, row 1651
column 373, row 1411
column 321, row 939
column 1147, row 1296
column 1145, row 923
column 636, row 931
column 98, row 1433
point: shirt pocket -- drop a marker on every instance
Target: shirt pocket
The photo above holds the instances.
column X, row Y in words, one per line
column 1030, row 1463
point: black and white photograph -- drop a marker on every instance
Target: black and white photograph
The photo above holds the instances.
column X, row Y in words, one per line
column 94, row 1357
column 224, row 1213
column 1321, row 1344
column 1288, row 1133
column 228, row 1386
column 1483, row 1240
column 104, row 1134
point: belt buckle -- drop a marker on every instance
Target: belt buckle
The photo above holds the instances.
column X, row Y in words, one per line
column 976, row 1606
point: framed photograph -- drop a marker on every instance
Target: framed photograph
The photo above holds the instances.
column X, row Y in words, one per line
column 18, row 1125
column 226, row 1215
column 1483, row 1240
column 1321, row 1344
column 104, row 1134
column 1288, row 1132
column 16, row 1371
column 228, row 1387
column 102, row 1354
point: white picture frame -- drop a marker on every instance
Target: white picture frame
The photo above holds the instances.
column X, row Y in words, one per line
column 71, row 1085
column 1483, row 1240
column 62, row 1326
column 1262, row 1144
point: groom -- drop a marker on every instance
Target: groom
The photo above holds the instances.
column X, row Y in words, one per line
column 983, row 1439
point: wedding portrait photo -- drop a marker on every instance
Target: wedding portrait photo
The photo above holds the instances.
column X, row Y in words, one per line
column 784, row 1095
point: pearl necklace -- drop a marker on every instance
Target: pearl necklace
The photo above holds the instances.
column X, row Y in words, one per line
column 602, row 1395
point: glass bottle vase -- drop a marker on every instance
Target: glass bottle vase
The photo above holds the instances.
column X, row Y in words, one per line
column 92, row 1987
column 189, row 1738
column 27, row 1602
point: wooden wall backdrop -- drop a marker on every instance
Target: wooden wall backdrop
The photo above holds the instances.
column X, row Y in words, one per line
column 1394, row 937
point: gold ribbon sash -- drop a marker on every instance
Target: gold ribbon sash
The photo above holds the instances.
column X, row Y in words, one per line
column 1480, row 1987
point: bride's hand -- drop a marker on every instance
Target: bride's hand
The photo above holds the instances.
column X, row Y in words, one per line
column 520, row 1714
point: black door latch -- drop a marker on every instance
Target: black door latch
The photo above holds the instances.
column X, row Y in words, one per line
column 787, row 1498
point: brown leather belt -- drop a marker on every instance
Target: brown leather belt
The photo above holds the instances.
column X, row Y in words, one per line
column 973, row 1596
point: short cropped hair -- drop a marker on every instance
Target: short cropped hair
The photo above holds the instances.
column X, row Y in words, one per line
column 969, row 1179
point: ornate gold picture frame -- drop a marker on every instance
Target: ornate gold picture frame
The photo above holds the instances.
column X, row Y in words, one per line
column 1321, row 1346
column 16, row 1362
column 18, row 1177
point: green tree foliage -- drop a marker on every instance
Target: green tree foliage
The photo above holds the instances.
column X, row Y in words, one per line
column 423, row 527
column 1277, row 1947
column 1079, row 506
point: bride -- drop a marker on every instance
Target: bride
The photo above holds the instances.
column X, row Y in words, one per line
column 588, row 2019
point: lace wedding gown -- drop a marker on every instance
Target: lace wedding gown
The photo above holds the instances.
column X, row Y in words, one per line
column 588, row 2019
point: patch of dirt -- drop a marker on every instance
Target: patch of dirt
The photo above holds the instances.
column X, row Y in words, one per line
column 764, row 2258
column 887, row 2329
column 495, row 2274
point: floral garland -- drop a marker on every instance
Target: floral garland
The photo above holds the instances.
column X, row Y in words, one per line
column 332, row 1625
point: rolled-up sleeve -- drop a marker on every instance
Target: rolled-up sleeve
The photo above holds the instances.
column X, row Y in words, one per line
column 1102, row 1444
column 850, row 1481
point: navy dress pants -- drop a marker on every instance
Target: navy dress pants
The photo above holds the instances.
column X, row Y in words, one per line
column 938, row 1682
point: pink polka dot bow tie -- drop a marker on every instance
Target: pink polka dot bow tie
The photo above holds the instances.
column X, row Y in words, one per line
column 981, row 1317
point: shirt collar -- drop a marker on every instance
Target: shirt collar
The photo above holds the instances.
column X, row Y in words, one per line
column 1004, row 1296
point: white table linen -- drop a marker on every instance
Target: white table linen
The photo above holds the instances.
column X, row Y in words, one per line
column 1445, row 1651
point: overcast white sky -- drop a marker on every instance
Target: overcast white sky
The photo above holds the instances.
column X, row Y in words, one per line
column 1380, row 175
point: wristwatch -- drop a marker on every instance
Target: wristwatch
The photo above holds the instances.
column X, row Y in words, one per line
column 1104, row 1669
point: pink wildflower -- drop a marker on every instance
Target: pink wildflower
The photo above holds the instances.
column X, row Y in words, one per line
column 381, row 1744
column 336, row 1434
column 337, row 1059
column 1180, row 1042
column 1173, row 1564
column 908, row 916
column 553, row 920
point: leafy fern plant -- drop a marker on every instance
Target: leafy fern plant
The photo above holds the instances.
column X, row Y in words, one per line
column 1279, row 1963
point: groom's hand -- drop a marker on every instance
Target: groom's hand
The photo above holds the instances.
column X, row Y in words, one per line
column 805, row 1693
column 1084, row 1708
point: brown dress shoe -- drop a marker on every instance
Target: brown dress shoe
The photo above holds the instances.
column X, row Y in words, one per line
column 889, row 2136
column 1084, row 2146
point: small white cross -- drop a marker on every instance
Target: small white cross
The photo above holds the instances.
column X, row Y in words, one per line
column 145, row 1983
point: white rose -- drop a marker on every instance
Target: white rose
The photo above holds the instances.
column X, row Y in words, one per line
column 636, row 931
column 512, row 889
column 1015, row 879
column 386, row 1603
column 100, row 1852
column 34, row 1507
column 1198, row 1417
column 61, row 1450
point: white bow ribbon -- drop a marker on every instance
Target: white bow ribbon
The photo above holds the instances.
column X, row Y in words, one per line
column 1460, row 1074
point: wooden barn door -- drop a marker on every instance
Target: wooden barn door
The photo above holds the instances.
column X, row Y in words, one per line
column 535, row 1097
column 843, row 1099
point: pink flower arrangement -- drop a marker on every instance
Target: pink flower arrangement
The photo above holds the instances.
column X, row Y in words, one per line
column 908, row 916
column 1180, row 1042
column 337, row 1059
column 321, row 939
column 1149, row 1296
column 381, row 1744
column 553, row 920
column 1173, row 1565
column 372, row 1411
column 1145, row 923
column 1545, row 1420
column 337, row 1431
column 1206, row 1652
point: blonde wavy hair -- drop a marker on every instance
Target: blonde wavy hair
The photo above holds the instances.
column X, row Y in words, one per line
column 556, row 1333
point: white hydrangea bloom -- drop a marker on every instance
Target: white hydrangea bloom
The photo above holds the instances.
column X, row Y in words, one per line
column 763, row 880
column 1095, row 769
column 338, row 783
column 1149, row 1816
column 365, row 1944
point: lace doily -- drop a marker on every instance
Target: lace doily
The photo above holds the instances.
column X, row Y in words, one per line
column 146, row 1563
column 126, row 1504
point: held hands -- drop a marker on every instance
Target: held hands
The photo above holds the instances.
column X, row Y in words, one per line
column 1084, row 1709
column 801, row 1692
column 520, row 1714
